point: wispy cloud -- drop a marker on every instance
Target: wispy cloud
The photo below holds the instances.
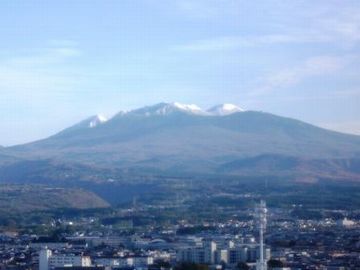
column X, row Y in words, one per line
column 36, row 73
column 330, row 95
column 235, row 42
column 312, row 67
column 330, row 23
column 347, row 34
column 63, row 43
column 341, row 23
column 33, row 83
column 204, row 9
column 43, row 56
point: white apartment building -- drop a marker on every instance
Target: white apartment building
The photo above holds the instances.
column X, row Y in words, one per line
column 137, row 261
column 202, row 255
column 209, row 253
column 48, row 260
column 143, row 261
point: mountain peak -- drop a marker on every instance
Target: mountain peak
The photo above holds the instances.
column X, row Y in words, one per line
column 192, row 108
column 97, row 120
column 224, row 109
column 167, row 108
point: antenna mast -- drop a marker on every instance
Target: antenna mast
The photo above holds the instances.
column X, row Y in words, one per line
column 261, row 211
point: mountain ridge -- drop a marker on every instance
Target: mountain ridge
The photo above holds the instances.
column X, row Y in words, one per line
column 171, row 138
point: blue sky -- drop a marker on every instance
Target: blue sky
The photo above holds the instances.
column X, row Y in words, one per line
column 62, row 61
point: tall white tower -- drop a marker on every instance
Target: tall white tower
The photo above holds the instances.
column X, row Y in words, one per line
column 44, row 256
column 261, row 211
column 209, row 248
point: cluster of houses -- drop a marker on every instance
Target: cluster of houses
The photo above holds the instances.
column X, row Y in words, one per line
column 190, row 249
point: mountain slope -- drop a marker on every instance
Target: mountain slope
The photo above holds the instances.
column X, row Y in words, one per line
column 177, row 138
column 22, row 199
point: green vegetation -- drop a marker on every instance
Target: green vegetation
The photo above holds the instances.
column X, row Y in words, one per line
column 28, row 198
column 34, row 204
column 165, row 201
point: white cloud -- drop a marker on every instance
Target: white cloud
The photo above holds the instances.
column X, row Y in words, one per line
column 342, row 23
column 36, row 89
column 34, row 76
column 312, row 67
column 331, row 23
column 63, row 43
column 235, row 42
column 43, row 57
column 204, row 9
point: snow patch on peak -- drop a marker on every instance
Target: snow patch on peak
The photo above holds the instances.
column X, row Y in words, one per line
column 224, row 109
column 168, row 108
column 188, row 107
column 176, row 107
column 163, row 109
column 97, row 120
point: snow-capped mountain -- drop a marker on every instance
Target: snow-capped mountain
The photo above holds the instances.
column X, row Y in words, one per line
column 167, row 108
column 224, row 109
column 89, row 123
column 175, row 138
column 97, row 120
column 160, row 109
column 191, row 108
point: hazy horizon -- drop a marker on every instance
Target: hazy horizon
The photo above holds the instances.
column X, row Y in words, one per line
column 63, row 62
